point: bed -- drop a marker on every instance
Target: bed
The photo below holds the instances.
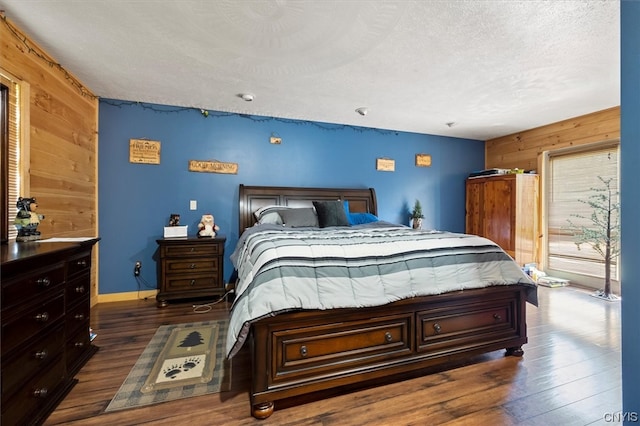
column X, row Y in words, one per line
column 347, row 327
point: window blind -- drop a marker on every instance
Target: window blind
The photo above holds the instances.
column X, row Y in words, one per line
column 572, row 179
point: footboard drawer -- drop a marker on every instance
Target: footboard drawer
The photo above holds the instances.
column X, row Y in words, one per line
column 305, row 351
column 466, row 325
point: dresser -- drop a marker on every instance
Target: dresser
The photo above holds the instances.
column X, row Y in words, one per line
column 45, row 325
column 504, row 209
column 189, row 268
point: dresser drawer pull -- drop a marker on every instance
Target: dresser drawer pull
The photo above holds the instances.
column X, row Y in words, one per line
column 40, row 354
column 497, row 317
column 303, row 350
column 192, row 266
column 79, row 317
column 40, row 393
column 79, row 345
column 43, row 282
column 388, row 337
column 193, row 282
column 82, row 263
column 80, row 289
column 192, row 249
column 437, row 328
column 43, row 317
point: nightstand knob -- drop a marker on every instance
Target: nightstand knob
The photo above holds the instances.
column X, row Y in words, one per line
column 437, row 328
column 40, row 354
column 43, row 317
column 193, row 282
column 43, row 282
column 497, row 317
column 40, row 393
column 192, row 266
column 388, row 337
column 303, row 350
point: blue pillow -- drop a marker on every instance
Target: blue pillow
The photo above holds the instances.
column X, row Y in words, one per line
column 360, row 218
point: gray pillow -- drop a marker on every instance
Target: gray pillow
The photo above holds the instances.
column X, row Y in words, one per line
column 305, row 216
column 331, row 213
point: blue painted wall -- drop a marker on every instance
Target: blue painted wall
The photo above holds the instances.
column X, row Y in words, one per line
column 630, row 206
column 135, row 200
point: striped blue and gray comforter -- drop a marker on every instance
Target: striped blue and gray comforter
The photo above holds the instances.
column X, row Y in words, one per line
column 282, row 269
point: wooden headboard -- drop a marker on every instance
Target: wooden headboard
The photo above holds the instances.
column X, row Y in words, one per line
column 253, row 197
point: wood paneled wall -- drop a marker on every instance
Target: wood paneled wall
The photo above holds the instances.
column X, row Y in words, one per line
column 61, row 141
column 523, row 149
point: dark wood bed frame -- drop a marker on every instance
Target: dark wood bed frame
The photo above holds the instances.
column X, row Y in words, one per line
column 298, row 353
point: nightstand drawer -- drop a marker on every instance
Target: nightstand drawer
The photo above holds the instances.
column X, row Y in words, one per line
column 193, row 282
column 193, row 265
column 191, row 250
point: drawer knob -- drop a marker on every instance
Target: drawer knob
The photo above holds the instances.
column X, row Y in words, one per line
column 192, row 266
column 303, row 350
column 437, row 328
column 40, row 354
column 82, row 263
column 79, row 345
column 80, row 289
column 192, row 249
column 497, row 317
column 388, row 337
column 40, row 393
column 43, row 317
column 43, row 282
column 79, row 317
column 193, row 282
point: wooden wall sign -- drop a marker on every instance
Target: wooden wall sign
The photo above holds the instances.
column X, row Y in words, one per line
column 143, row 151
column 385, row 165
column 423, row 160
column 213, row 167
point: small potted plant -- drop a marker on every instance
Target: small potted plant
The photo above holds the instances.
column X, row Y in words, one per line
column 416, row 215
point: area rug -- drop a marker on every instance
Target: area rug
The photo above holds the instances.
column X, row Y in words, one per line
column 181, row 361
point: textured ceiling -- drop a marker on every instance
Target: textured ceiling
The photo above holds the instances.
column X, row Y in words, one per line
column 490, row 67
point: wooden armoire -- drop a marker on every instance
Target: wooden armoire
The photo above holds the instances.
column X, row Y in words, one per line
column 504, row 209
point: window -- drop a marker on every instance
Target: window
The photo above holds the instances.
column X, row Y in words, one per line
column 10, row 136
column 570, row 176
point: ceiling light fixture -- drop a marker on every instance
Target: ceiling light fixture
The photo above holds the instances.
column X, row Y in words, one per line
column 246, row 96
column 362, row 111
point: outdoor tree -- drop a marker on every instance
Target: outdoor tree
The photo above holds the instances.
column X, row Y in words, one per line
column 603, row 230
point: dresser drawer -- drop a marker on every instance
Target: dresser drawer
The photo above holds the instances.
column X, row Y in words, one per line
column 32, row 321
column 30, row 360
column 77, row 289
column 193, row 265
column 30, row 286
column 76, row 317
column 310, row 350
column 196, row 249
column 34, row 394
column 79, row 264
column 471, row 324
column 77, row 346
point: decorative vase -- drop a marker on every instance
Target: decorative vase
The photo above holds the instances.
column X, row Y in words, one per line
column 417, row 223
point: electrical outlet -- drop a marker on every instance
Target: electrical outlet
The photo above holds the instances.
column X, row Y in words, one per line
column 136, row 268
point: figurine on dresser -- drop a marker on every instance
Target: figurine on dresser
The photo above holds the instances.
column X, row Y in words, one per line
column 27, row 220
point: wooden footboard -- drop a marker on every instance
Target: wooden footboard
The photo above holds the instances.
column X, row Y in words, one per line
column 302, row 352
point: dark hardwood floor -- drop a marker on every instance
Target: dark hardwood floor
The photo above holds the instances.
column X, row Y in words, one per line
column 569, row 375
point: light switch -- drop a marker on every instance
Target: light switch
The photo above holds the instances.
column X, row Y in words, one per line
column 193, row 205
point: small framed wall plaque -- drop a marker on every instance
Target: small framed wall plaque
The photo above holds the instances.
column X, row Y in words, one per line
column 213, row 166
column 142, row 151
column 423, row 160
column 385, row 165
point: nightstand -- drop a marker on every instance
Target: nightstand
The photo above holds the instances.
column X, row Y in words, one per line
column 190, row 268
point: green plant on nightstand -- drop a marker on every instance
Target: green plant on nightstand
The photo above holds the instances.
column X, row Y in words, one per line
column 417, row 215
